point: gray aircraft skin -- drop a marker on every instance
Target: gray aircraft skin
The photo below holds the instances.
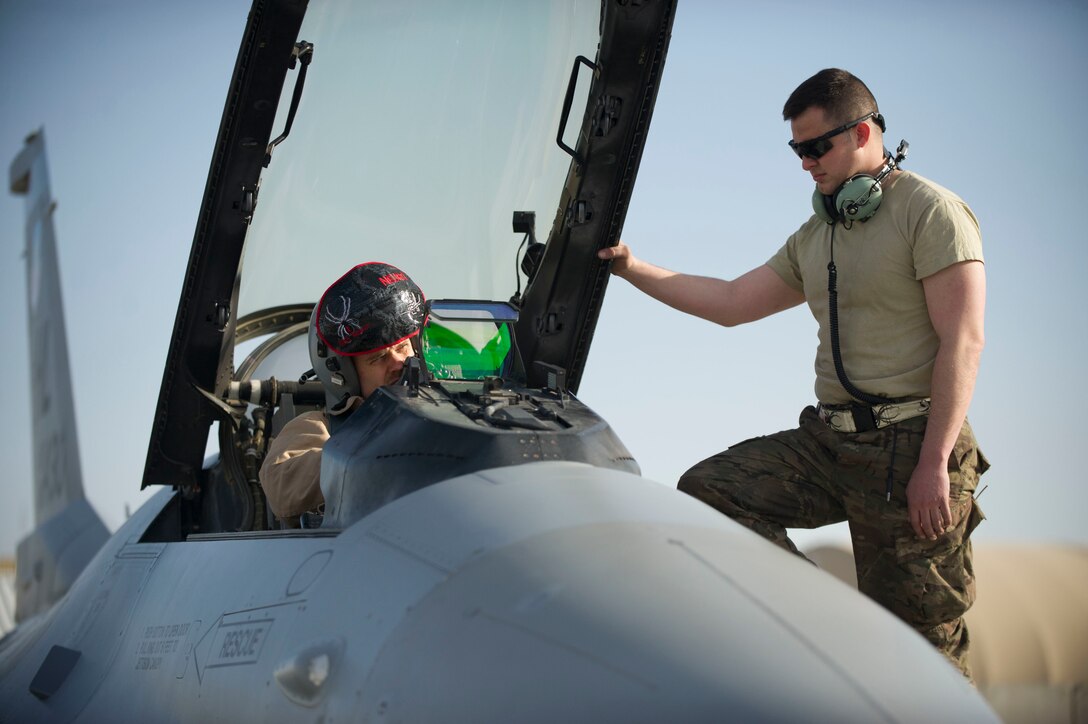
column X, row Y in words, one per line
column 488, row 551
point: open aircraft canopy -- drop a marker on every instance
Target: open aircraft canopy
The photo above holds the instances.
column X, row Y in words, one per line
column 373, row 132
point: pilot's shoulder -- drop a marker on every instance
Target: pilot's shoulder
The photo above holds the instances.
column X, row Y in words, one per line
column 311, row 421
column 302, row 432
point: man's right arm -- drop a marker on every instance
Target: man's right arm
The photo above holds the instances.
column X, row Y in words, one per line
column 291, row 472
column 754, row 295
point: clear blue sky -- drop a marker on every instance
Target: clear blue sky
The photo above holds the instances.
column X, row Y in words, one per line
column 991, row 96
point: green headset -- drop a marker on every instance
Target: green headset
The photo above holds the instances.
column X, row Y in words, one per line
column 857, row 198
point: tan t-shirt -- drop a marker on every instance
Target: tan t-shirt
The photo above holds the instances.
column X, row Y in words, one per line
column 887, row 341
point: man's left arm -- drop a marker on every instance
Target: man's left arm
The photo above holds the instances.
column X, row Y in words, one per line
column 956, row 299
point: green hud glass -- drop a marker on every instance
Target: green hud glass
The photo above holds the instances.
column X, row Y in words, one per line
column 468, row 340
column 816, row 147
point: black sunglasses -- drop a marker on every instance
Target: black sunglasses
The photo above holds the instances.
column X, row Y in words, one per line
column 816, row 147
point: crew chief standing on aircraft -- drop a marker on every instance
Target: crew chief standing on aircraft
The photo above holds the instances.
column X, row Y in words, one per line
column 891, row 267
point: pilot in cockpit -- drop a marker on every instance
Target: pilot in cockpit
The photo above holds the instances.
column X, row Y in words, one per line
column 360, row 335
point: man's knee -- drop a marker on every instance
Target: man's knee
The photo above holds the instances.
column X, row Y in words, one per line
column 715, row 476
column 692, row 484
column 710, row 482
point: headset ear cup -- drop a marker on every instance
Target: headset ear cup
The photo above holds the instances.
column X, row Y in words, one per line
column 823, row 206
column 858, row 198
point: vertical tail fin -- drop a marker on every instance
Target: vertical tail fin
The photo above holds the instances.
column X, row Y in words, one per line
column 68, row 532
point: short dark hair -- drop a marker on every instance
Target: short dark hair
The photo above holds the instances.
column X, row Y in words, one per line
column 840, row 93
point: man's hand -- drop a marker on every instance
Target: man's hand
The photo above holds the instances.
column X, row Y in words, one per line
column 620, row 256
column 927, row 501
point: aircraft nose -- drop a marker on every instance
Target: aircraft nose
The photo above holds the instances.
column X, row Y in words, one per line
column 646, row 628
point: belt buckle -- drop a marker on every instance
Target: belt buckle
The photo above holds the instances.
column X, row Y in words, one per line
column 864, row 420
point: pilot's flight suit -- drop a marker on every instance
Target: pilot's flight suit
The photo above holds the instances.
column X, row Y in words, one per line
column 291, row 472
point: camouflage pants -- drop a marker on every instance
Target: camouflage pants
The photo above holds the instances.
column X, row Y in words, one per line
column 813, row 476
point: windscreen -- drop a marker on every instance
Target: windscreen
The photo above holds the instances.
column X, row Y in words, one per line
column 422, row 128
